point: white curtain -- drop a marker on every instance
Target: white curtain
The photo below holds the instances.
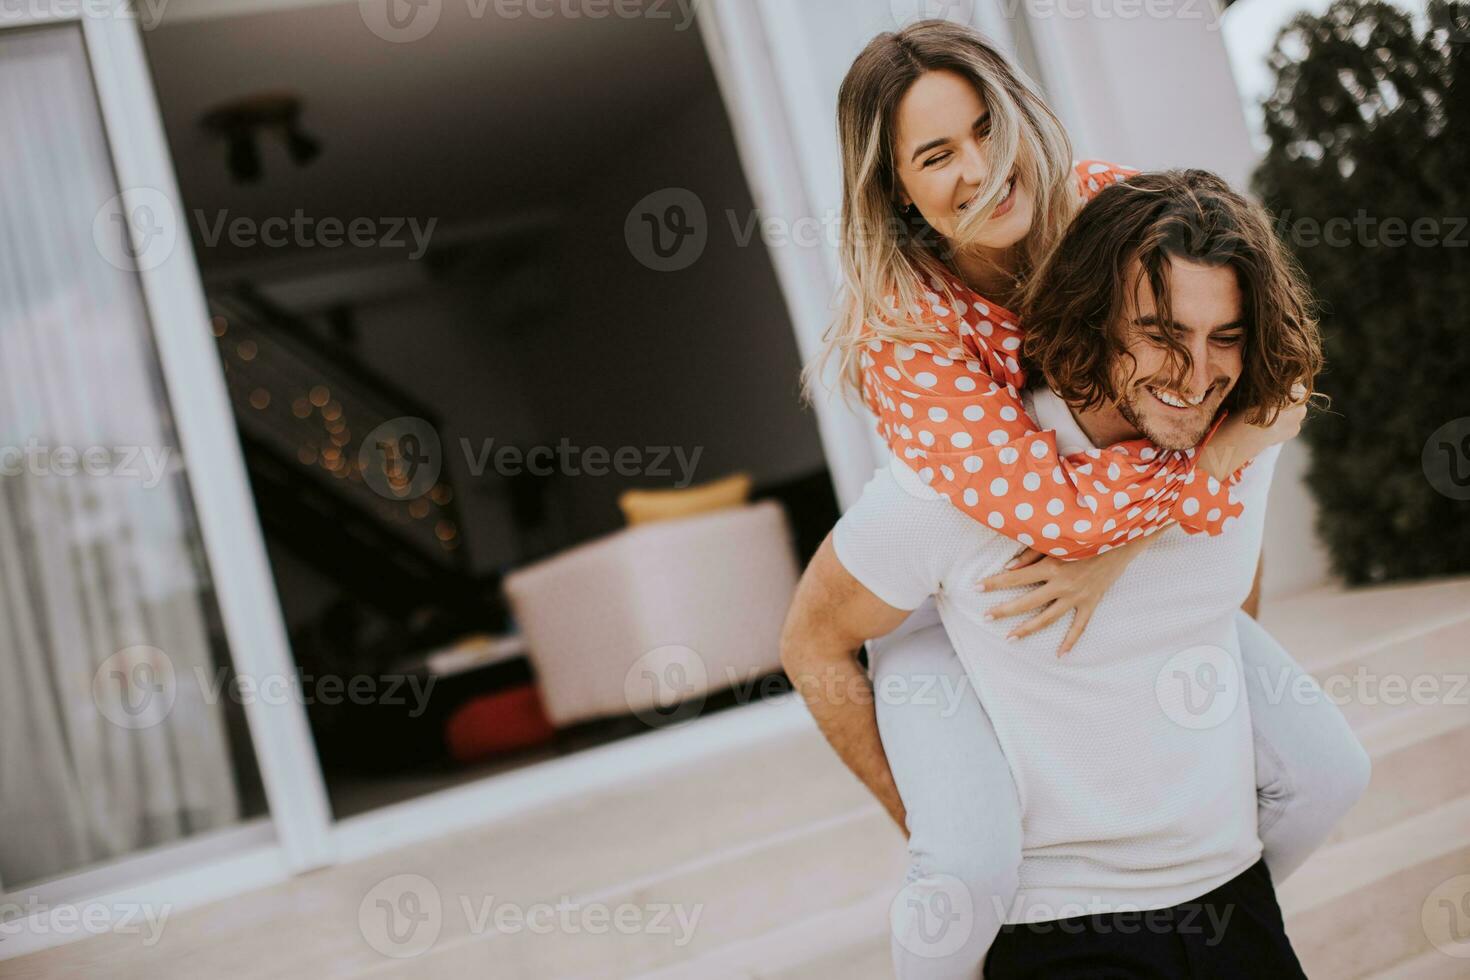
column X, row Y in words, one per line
column 90, row 565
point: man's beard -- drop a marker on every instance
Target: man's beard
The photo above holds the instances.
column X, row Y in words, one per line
column 1184, row 435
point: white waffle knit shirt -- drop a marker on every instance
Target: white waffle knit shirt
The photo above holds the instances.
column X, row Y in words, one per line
column 1132, row 754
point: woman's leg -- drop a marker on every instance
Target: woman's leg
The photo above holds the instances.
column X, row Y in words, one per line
column 1310, row 768
column 963, row 814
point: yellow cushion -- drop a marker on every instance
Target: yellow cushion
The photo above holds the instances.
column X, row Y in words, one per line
column 644, row 506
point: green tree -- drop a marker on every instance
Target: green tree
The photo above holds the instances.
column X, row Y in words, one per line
column 1367, row 176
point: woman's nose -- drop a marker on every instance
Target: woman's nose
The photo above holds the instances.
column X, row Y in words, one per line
column 973, row 165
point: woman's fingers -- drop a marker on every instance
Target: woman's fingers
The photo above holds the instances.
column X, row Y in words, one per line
column 1034, row 599
column 1074, row 632
column 1028, row 557
column 1029, row 575
column 1039, row 622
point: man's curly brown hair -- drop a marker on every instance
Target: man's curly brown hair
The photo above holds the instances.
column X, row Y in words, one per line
column 1074, row 307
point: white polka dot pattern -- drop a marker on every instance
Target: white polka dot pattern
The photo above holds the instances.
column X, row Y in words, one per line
column 960, row 409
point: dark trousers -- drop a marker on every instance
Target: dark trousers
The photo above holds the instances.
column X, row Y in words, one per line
column 1233, row 931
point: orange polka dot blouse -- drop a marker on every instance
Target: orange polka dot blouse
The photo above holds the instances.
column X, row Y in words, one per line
column 955, row 417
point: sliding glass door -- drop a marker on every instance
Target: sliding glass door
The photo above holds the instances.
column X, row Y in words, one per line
column 134, row 595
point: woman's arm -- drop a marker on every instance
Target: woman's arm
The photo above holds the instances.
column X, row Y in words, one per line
column 956, row 418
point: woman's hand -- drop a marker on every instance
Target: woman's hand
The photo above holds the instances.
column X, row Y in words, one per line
column 1236, row 442
column 1060, row 586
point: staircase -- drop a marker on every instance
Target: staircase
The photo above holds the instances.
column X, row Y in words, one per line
column 1373, row 902
column 344, row 463
column 791, row 867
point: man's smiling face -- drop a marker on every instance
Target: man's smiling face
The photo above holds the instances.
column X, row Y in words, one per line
column 1208, row 320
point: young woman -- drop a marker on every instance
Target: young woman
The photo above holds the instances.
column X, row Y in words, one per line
column 957, row 179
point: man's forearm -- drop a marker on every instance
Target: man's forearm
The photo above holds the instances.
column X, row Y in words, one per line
column 840, row 697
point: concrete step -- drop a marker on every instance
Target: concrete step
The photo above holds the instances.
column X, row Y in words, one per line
column 732, row 896
column 848, row 941
column 605, row 843
column 1326, row 625
column 1358, row 906
column 1434, row 965
column 1421, row 752
column 1397, row 676
column 1421, row 760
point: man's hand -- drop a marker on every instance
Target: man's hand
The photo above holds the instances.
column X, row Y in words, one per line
column 830, row 617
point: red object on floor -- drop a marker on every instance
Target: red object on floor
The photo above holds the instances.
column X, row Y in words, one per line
column 496, row 723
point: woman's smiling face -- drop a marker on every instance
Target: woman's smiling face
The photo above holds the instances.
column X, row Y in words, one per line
column 940, row 150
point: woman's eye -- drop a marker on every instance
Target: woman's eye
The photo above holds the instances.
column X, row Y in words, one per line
column 1230, row 341
column 936, row 159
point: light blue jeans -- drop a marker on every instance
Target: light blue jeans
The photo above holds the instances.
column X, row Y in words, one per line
column 964, row 817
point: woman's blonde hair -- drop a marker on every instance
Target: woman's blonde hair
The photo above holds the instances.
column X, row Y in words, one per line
column 887, row 253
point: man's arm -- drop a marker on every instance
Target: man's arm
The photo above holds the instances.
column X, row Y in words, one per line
column 831, row 616
column 1252, row 604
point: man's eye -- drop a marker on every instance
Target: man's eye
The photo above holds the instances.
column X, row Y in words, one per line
column 1230, row 340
